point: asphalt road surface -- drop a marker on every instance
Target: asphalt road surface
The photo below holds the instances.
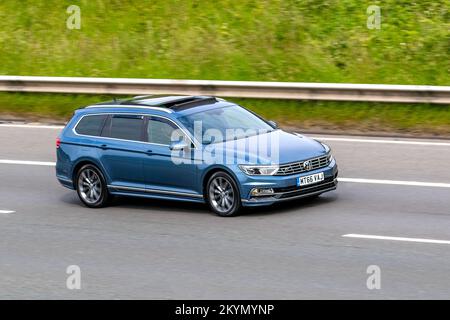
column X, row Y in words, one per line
column 147, row 249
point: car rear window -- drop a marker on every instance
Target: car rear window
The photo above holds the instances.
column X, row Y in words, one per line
column 91, row 125
column 126, row 127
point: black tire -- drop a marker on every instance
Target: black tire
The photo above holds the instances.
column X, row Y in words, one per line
column 219, row 198
column 90, row 177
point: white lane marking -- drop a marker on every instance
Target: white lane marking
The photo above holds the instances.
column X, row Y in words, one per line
column 352, row 180
column 33, row 163
column 420, row 143
column 10, row 125
column 6, row 211
column 369, row 236
column 423, row 143
column 397, row 182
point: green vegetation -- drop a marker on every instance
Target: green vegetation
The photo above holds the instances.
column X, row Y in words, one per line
column 278, row 40
column 318, row 115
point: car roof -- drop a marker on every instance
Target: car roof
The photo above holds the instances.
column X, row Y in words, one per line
column 164, row 103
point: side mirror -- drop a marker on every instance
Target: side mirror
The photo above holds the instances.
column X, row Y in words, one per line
column 273, row 124
column 178, row 146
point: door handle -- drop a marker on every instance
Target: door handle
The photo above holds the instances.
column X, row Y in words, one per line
column 104, row 146
column 149, row 152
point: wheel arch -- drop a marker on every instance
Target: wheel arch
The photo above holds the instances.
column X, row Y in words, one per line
column 212, row 171
column 82, row 162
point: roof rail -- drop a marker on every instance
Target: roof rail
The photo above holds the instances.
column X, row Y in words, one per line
column 130, row 106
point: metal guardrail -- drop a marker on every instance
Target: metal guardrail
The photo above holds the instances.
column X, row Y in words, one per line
column 243, row 89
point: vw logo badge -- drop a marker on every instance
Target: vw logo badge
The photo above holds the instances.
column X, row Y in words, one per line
column 307, row 165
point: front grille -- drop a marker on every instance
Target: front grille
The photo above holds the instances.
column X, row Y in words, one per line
column 299, row 167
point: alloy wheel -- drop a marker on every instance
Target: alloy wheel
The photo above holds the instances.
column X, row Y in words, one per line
column 221, row 194
column 90, row 186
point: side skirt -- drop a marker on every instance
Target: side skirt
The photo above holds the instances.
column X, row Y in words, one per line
column 155, row 194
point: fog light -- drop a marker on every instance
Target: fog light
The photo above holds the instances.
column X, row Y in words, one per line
column 258, row 192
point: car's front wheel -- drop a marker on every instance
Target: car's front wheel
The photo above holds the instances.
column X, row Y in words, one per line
column 91, row 187
column 223, row 195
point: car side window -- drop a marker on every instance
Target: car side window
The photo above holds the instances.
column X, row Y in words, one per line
column 160, row 130
column 126, row 127
column 91, row 125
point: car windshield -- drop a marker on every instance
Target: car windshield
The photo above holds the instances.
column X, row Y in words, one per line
column 223, row 124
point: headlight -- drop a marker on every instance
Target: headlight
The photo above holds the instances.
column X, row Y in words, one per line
column 330, row 158
column 327, row 148
column 259, row 170
column 328, row 151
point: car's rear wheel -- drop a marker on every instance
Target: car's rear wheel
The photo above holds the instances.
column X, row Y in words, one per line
column 91, row 187
column 223, row 195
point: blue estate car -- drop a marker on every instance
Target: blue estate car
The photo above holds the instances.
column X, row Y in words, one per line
column 189, row 148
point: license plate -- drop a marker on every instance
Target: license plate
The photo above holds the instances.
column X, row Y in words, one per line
column 314, row 178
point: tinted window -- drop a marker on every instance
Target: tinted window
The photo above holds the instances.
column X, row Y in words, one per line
column 126, row 127
column 91, row 125
column 160, row 130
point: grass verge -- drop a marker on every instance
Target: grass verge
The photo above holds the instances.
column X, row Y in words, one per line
column 346, row 117
column 276, row 40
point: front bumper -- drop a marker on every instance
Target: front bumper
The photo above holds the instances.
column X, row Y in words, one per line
column 285, row 187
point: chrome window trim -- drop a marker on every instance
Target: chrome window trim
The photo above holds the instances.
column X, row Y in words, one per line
column 130, row 106
column 132, row 114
